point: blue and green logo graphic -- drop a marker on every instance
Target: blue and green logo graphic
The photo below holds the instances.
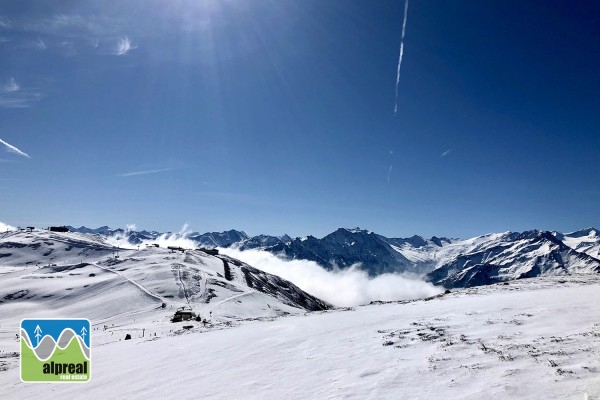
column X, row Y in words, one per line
column 55, row 350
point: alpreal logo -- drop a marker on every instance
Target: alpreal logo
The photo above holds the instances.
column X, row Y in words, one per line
column 55, row 350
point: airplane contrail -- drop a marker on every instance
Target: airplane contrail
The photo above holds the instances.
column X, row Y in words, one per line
column 13, row 149
column 146, row 172
column 401, row 54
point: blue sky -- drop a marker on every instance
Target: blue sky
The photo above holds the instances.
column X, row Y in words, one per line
column 278, row 116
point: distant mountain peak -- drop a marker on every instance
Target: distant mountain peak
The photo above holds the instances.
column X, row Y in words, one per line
column 439, row 241
column 351, row 231
column 589, row 232
column 504, row 257
column 358, row 230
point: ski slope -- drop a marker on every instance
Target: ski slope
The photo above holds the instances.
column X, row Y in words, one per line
column 532, row 339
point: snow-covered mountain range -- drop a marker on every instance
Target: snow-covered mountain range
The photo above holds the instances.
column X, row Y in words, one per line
column 52, row 269
column 526, row 339
column 509, row 256
column 469, row 262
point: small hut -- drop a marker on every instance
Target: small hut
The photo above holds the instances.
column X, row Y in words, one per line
column 212, row 252
column 183, row 314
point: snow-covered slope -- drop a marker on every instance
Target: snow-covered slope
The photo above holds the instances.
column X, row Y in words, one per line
column 131, row 236
column 41, row 247
column 532, row 339
column 585, row 241
column 46, row 272
column 526, row 339
column 512, row 256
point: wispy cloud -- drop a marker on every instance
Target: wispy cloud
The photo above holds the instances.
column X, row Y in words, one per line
column 389, row 173
column 61, row 24
column 68, row 48
column 11, row 86
column 124, row 46
column 444, row 154
column 146, row 172
column 4, row 22
column 14, row 149
column 12, row 95
column 63, row 21
column 71, row 33
column 40, row 44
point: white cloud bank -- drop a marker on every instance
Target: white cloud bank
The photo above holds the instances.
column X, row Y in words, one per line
column 5, row 227
column 342, row 288
column 176, row 239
